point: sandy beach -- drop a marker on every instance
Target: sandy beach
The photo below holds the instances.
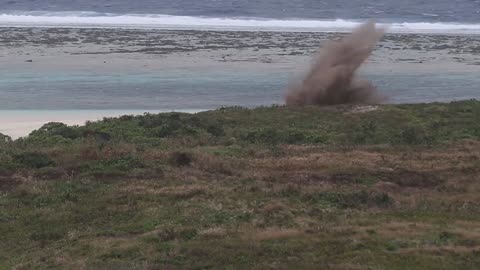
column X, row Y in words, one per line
column 19, row 123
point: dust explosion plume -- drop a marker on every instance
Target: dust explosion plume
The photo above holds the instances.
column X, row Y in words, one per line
column 331, row 80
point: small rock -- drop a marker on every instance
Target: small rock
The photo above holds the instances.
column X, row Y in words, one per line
column 386, row 169
column 363, row 109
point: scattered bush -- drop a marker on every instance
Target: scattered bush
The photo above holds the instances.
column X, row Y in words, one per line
column 414, row 136
column 213, row 164
column 295, row 137
column 180, row 159
column 7, row 167
column 97, row 136
column 4, row 139
column 366, row 133
column 48, row 234
column 111, row 168
column 49, row 173
column 216, row 130
column 34, row 160
column 262, row 136
column 59, row 129
column 122, row 163
column 176, row 233
column 408, row 178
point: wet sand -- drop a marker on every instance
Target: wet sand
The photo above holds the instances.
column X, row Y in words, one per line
column 147, row 50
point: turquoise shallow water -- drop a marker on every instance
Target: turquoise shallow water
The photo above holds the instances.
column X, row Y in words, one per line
column 202, row 90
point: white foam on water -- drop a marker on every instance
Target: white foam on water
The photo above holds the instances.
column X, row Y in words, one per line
column 85, row 19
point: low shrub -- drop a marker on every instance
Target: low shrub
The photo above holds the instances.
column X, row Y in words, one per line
column 34, row 160
column 180, row 159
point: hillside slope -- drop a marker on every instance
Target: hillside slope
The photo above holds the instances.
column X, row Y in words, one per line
column 380, row 187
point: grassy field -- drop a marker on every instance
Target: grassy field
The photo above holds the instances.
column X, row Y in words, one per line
column 387, row 187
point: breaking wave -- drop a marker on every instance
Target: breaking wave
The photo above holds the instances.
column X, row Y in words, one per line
column 158, row 21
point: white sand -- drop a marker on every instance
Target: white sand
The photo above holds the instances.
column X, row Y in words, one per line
column 19, row 123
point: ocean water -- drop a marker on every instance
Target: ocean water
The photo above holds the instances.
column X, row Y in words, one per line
column 451, row 16
column 204, row 90
column 201, row 90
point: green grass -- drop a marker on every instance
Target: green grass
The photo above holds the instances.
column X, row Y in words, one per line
column 236, row 188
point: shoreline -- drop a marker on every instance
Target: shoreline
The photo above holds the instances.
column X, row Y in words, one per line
column 19, row 123
column 115, row 68
column 49, row 66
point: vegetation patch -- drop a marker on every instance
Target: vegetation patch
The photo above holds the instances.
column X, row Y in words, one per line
column 395, row 187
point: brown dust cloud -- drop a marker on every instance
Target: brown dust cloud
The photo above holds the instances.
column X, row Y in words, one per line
column 332, row 78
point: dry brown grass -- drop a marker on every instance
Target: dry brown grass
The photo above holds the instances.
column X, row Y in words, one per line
column 149, row 187
column 118, row 150
column 386, row 187
column 440, row 251
column 273, row 207
column 213, row 164
column 186, row 191
column 8, row 183
column 213, row 233
column 303, row 158
column 275, row 234
column 399, row 230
